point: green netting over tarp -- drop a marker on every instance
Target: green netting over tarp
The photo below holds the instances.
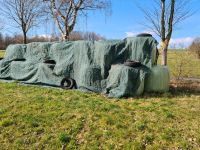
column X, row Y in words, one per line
column 119, row 81
column 94, row 65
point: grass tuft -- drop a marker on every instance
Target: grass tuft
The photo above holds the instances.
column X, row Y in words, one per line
column 64, row 138
column 6, row 123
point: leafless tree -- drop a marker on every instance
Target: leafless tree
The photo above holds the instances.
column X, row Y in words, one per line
column 24, row 13
column 163, row 17
column 66, row 12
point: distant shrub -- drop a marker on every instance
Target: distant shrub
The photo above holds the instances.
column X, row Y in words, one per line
column 182, row 65
column 195, row 47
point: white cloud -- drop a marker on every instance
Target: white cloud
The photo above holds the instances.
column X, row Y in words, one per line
column 42, row 35
column 174, row 42
column 130, row 34
column 181, row 42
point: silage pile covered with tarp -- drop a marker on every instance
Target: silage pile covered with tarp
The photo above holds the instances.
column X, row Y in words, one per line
column 96, row 66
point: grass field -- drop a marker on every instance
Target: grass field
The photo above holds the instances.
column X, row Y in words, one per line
column 42, row 118
column 2, row 53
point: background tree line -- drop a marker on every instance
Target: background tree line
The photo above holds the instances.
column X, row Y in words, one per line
column 6, row 40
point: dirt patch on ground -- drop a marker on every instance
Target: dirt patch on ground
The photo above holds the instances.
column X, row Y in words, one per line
column 185, row 86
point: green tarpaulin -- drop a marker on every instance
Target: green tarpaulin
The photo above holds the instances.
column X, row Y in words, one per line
column 96, row 66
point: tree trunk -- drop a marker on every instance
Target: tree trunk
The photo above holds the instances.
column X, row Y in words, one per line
column 24, row 37
column 164, row 56
column 65, row 36
column 164, row 52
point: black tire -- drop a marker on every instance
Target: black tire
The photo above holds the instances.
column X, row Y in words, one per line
column 68, row 83
column 1, row 58
column 133, row 64
column 22, row 59
column 50, row 62
column 144, row 35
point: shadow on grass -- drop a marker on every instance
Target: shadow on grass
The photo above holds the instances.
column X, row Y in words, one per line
column 183, row 88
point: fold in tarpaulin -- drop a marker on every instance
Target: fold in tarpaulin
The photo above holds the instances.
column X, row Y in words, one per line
column 96, row 66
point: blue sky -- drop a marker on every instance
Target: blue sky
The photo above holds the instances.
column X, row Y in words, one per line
column 125, row 20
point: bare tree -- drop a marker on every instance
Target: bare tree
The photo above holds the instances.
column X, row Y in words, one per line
column 65, row 12
column 164, row 17
column 24, row 13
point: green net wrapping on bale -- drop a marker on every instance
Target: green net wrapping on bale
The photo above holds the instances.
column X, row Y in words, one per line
column 158, row 79
column 96, row 66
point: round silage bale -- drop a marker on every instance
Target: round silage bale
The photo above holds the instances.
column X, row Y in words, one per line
column 158, row 80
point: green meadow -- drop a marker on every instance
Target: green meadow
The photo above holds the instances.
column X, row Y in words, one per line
column 2, row 53
column 33, row 117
